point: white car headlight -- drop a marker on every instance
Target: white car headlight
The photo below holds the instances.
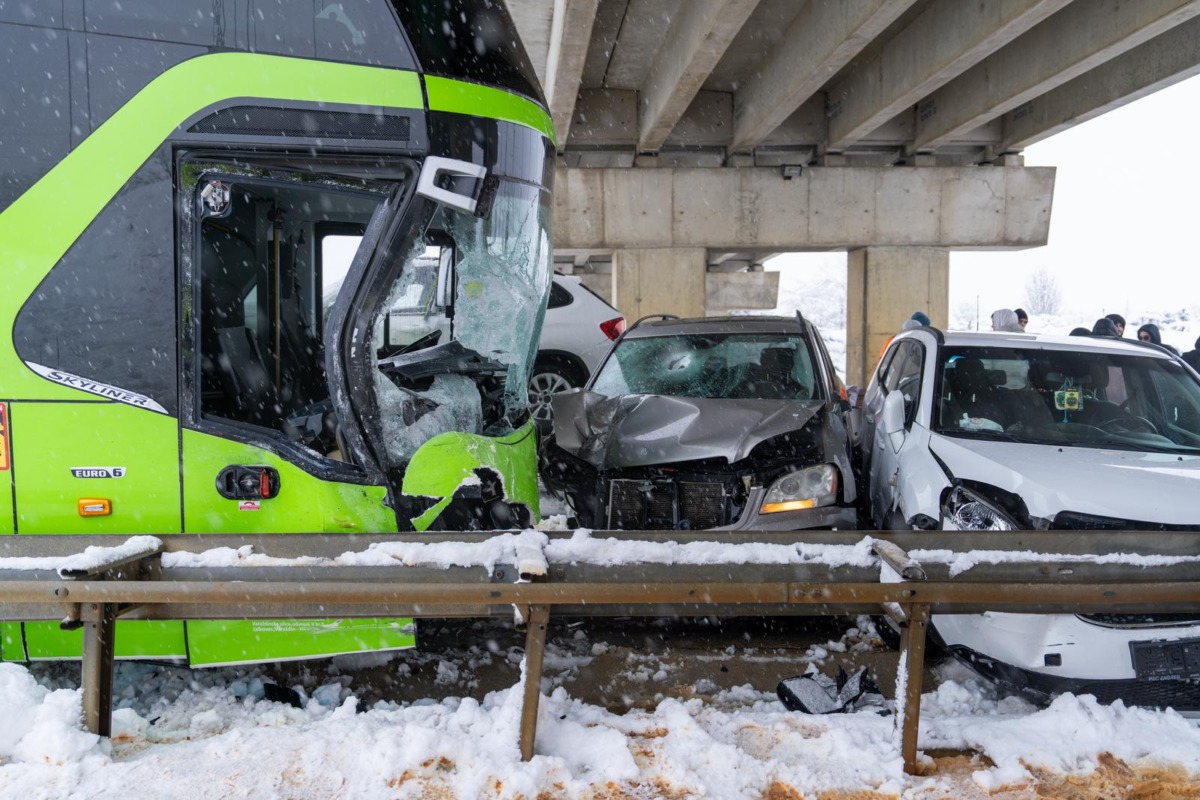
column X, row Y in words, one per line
column 806, row 488
column 966, row 511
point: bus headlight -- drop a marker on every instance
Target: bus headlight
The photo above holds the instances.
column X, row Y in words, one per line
column 965, row 510
column 806, row 488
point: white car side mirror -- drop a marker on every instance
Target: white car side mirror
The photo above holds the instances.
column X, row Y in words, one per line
column 893, row 419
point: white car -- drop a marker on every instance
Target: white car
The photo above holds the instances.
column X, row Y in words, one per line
column 578, row 330
column 991, row 431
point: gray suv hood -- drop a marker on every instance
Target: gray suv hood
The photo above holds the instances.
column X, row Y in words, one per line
column 646, row 429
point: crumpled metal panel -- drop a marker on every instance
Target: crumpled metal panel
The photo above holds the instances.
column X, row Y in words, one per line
column 643, row 430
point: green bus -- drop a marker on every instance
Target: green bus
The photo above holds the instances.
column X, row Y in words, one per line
column 269, row 266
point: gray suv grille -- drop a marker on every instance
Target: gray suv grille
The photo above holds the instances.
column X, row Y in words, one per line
column 666, row 505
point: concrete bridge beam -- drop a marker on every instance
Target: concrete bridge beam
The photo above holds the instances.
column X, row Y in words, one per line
column 948, row 37
column 693, row 47
column 822, row 39
column 756, row 209
column 1077, row 39
column 1156, row 64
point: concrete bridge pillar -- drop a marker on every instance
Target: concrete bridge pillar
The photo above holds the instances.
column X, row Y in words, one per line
column 668, row 280
column 884, row 287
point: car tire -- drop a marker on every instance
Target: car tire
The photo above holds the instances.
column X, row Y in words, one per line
column 551, row 375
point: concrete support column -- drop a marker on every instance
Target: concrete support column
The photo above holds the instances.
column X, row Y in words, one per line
column 884, row 287
column 667, row 280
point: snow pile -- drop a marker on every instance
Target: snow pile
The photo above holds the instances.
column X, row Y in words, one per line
column 961, row 562
column 91, row 558
column 528, row 551
column 230, row 742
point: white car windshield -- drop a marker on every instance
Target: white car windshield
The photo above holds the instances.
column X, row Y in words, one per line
column 730, row 366
column 1068, row 398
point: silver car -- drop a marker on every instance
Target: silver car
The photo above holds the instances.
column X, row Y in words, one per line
column 994, row 431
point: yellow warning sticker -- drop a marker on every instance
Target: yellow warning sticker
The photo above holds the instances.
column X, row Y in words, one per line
column 3, row 436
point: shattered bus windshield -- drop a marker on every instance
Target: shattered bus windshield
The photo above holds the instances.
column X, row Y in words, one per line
column 456, row 337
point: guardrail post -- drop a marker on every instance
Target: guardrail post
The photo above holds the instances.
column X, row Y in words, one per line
column 908, row 682
column 535, row 653
column 99, row 628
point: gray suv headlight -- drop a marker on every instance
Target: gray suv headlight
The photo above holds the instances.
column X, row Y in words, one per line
column 806, row 488
column 965, row 510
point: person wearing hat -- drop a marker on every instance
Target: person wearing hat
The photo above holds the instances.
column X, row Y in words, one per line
column 918, row 319
column 1150, row 333
column 1118, row 321
column 1005, row 319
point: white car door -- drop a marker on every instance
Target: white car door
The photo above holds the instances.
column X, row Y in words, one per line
column 901, row 377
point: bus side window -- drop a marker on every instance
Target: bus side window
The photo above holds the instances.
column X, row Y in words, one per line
column 267, row 278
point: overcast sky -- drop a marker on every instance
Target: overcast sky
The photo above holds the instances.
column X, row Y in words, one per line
column 1125, row 223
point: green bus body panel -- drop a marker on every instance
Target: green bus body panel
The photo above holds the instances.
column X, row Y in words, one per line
column 221, row 642
column 11, row 647
column 134, row 638
column 218, row 643
column 40, row 226
column 458, row 97
column 305, row 503
column 51, row 439
column 443, row 463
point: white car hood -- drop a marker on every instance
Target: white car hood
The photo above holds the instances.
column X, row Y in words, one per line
column 1146, row 487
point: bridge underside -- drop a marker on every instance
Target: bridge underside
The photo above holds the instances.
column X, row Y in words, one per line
column 729, row 130
column 660, row 229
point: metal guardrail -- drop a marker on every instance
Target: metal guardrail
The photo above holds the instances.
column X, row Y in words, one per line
column 907, row 575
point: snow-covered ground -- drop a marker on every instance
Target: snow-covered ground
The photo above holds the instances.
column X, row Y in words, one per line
column 213, row 734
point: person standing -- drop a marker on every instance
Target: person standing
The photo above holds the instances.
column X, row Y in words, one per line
column 1150, row 333
column 918, row 319
column 1118, row 321
column 1192, row 357
column 1022, row 317
column 1005, row 319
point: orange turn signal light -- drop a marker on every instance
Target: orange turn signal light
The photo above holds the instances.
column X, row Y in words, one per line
column 94, row 507
column 790, row 505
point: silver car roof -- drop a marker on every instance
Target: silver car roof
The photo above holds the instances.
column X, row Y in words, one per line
column 1088, row 344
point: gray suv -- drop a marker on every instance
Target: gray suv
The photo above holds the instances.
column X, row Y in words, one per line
column 720, row 423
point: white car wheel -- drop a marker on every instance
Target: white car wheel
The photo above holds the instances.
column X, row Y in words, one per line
column 542, row 386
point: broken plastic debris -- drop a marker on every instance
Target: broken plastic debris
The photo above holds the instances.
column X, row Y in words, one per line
column 813, row 693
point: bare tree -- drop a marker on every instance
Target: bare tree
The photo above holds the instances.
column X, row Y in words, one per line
column 1041, row 290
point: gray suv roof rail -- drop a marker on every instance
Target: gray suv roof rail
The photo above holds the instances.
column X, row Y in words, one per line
column 640, row 320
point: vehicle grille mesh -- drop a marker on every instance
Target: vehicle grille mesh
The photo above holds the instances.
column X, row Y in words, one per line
column 701, row 504
column 647, row 505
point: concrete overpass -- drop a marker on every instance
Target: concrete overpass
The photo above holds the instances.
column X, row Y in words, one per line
column 698, row 137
